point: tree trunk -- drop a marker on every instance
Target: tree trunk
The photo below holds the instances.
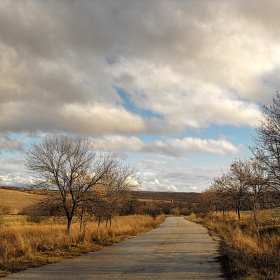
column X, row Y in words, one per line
column 256, row 218
column 69, row 222
column 238, row 212
column 81, row 223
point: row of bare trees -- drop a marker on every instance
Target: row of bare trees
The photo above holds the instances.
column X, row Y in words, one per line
column 247, row 186
column 252, row 183
column 80, row 180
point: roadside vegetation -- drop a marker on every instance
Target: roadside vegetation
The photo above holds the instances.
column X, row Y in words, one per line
column 242, row 205
column 245, row 255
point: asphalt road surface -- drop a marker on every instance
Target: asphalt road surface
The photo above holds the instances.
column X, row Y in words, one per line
column 178, row 249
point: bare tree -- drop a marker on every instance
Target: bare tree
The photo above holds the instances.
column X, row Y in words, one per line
column 230, row 189
column 151, row 208
column 114, row 192
column 71, row 166
column 246, row 182
column 259, row 187
column 266, row 147
column 49, row 206
column 217, row 195
column 237, row 184
column 98, row 202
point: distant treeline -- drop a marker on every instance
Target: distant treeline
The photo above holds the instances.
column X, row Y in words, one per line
column 190, row 197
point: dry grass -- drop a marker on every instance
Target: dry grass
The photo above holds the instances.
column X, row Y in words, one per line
column 16, row 200
column 247, row 255
column 30, row 245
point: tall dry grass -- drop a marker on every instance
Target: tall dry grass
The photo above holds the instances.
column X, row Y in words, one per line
column 29, row 245
column 247, row 254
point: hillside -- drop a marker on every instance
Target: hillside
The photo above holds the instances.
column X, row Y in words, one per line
column 17, row 199
column 190, row 197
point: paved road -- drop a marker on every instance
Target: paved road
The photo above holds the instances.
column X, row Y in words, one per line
column 178, row 249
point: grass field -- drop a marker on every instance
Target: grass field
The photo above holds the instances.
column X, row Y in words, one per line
column 247, row 253
column 17, row 200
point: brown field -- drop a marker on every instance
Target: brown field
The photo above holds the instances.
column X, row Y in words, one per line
column 17, row 194
column 16, row 200
column 247, row 254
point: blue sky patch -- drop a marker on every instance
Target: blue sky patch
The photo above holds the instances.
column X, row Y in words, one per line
column 128, row 105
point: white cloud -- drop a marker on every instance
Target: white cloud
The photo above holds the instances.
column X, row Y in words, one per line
column 12, row 171
column 119, row 143
column 99, row 119
column 179, row 98
column 172, row 188
column 148, row 174
column 194, row 146
column 155, row 185
column 8, row 144
column 170, row 147
column 193, row 68
column 184, row 175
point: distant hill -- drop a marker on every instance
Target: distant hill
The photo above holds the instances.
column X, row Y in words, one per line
column 190, row 197
column 16, row 199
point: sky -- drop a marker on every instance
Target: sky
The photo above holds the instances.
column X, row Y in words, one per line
column 175, row 87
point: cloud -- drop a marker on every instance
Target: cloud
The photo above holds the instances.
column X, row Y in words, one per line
column 179, row 98
column 184, row 175
column 181, row 61
column 174, row 147
column 12, row 171
column 8, row 144
column 99, row 118
column 72, row 118
column 155, row 185
column 195, row 146
column 121, row 144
